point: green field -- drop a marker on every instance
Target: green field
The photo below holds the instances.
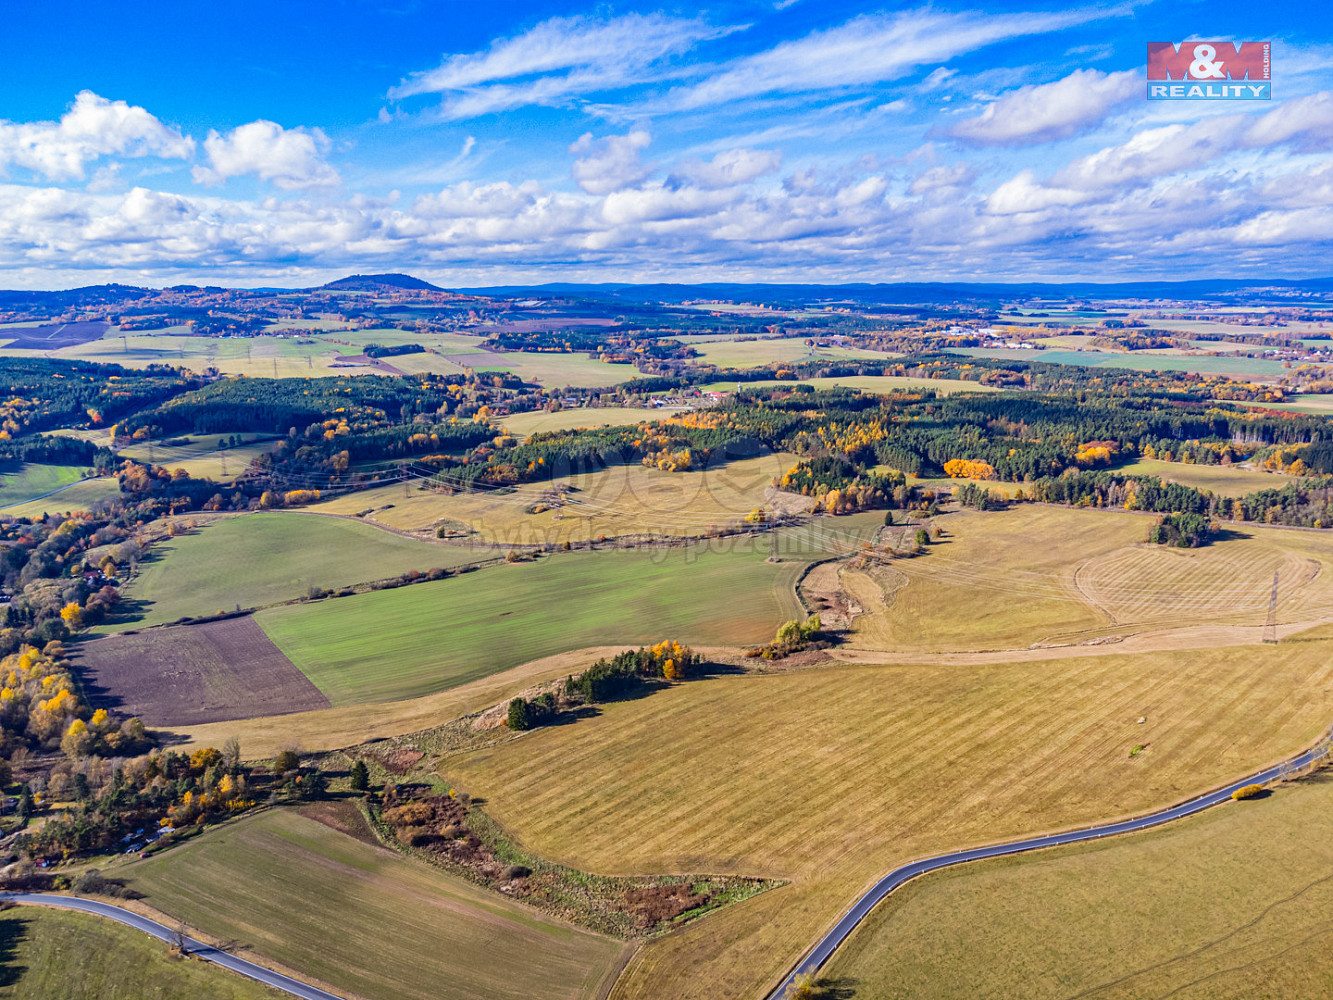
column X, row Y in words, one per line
column 1230, row 903
column 1138, row 361
column 78, row 496
column 32, row 480
column 200, row 455
column 258, row 559
column 789, row 350
column 50, row 953
column 1315, row 402
column 362, row 918
column 415, row 640
column 555, row 371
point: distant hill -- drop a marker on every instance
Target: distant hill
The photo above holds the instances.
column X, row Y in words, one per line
column 927, row 293
column 379, row 282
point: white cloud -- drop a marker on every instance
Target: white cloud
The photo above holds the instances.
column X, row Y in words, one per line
column 612, row 163
column 1023, row 193
column 92, row 128
column 1309, row 120
column 557, row 61
column 866, row 50
column 289, row 158
column 942, row 178
column 1037, row 113
column 729, row 168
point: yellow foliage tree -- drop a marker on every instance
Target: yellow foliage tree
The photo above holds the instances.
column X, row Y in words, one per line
column 966, row 468
column 72, row 615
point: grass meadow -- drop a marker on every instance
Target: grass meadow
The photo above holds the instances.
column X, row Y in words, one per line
column 1229, row 903
column 523, row 424
column 555, row 371
column 49, row 953
column 831, row 776
column 259, row 559
column 1224, row 480
column 79, row 495
column 619, row 500
column 1038, row 574
column 403, row 643
column 362, row 918
column 32, row 480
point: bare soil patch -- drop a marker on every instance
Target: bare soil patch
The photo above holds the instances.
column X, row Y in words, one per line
column 190, row 674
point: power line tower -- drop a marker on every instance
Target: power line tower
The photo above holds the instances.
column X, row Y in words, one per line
column 1270, row 626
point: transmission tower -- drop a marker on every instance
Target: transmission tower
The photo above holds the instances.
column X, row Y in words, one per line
column 1270, row 626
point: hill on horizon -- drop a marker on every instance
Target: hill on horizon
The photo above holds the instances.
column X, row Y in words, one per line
column 375, row 282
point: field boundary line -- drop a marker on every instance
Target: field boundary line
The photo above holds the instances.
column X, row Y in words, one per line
column 853, row 916
column 196, row 948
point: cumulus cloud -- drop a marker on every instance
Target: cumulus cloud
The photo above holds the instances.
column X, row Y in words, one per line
column 93, row 127
column 288, row 158
column 1038, row 113
column 728, row 168
column 612, row 163
column 942, row 178
column 556, row 61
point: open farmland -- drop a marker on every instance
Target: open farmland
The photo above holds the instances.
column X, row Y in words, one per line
column 1091, row 577
column 195, row 673
column 286, row 888
column 846, row 771
column 1207, row 364
column 1224, row 480
column 756, row 353
column 51, row 953
column 552, row 370
column 619, row 500
column 201, row 457
column 1236, row 899
column 401, row 643
column 523, row 424
column 254, row 560
column 31, row 481
column 79, row 495
column 866, row 383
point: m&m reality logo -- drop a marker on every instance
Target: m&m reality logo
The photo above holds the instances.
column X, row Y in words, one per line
column 1209, row 71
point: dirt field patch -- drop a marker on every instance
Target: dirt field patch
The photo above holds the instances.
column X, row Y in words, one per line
column 195, row 673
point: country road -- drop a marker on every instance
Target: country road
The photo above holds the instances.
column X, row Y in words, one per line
column 196, row 948
column 825, row 947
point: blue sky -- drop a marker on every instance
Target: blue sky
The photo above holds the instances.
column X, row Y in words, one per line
column 795, row 140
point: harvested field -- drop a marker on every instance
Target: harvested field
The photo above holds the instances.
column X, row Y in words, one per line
column 870, row 383
column 254, row 560
column 621, row 500
column 1224, row 480
column 523, row 424
column 1230, row 903
column 194, row 673
column 553, row 370
column 1091, row 577
column 364, row 919
column 833, row 775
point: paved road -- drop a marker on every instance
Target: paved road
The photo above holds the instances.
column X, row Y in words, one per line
column 829, row 943
column 196, row 948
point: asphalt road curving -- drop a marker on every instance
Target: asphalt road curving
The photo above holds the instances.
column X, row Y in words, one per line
column 825, row 947
column 196, row 948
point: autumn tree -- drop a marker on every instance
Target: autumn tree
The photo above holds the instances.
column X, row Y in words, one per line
column 286, row 762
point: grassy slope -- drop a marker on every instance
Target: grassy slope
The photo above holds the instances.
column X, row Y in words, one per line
column 523, row 424
column 33, row 480
column 1224, row 480
column 362, row 918
column 1228, row 904
column 258, row 559
column 1037, row 573
column 620, row 500
column 831, row 776
column 415, row 640
column 77, row 956
column 79, row 496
